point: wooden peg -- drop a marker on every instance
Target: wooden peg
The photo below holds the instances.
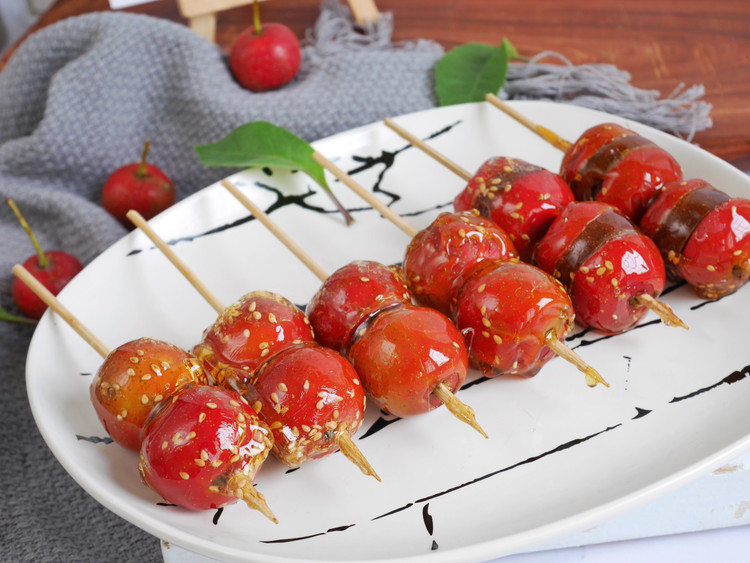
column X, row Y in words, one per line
column 201, row 14
column 364, row 11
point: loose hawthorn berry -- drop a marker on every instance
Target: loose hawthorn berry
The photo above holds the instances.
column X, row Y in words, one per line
column 202, row 449
column 265, row 57
column 703, row 235
column 53, row 269
column 441, row 257
column 508, row 312
column 615, row 165
column 312, row 400
column 249, row 332
column 521, row 198
column 350, row 296
column 59, row 269
column 141, row 186
column 134, row 378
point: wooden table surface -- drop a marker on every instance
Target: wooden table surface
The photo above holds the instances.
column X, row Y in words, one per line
column 662, row 44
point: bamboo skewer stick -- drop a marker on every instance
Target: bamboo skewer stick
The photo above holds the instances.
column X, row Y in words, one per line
column 424, row 147
column 141, row 223
column 374, row 202
column 592, row 376
column 53, row 303
column 662, row 310
column 261, row 216
column 549, row 136
column 460, row 410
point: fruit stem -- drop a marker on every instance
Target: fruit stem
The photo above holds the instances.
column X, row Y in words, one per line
column 142, row 167
column 256, row 18
column 43, row 262
column 663, row 310
column 344, row 441
column 461, row 411
column 592, row 376
column 8, row 317
column 241, row 486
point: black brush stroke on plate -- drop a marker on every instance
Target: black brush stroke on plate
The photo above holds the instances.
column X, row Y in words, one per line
column 95, row 439
column 733, row 377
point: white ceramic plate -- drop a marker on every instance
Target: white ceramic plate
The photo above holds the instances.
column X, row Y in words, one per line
column 560, row 457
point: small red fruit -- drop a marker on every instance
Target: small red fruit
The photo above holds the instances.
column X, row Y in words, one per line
column 509, row 311
column 309, row 396
column 140, row 186
column 248, row 333
column 404, row 353
column 440, row 258
column 54, row 269
column 265, row 57
column 202, row 449
column 350, row 296
column 133, row 379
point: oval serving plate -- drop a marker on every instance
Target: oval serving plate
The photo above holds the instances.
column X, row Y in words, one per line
column 560, row 456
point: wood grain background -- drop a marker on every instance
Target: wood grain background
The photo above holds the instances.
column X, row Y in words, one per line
column 662, row 44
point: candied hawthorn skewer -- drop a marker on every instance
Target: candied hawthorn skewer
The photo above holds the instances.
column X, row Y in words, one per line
column 377, row 318
column 703, row 235
column 262, row 345
column 522, row 198
column 610, row 163
column 202, row 449
column 613, row 273
column 132, row 379
column 551, row 337
column 140, row 393
column 528, row 222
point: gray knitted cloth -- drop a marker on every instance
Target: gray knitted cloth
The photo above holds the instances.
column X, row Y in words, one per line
column 77, row 100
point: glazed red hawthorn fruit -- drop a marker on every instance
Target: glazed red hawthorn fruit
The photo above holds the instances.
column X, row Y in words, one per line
column 248, row 333
column 312, row 400
column 54, row 269
column 404, row 353
column 615, row 165
column 442, row 256
column 141, row 186
column 605, row 262
column 521, row 198
column 703, row 235
column 351, row 295
column 202, row 449
column 133, row 379
column 265, row 57
column 509, row 312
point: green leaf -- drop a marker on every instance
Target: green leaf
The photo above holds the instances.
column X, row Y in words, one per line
column 468, row 72
column 510, row 50
column 261, row 143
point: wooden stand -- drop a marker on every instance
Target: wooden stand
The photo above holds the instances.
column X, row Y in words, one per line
column 201, row 14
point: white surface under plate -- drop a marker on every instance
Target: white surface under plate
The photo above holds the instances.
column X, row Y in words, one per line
column 561, row 456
